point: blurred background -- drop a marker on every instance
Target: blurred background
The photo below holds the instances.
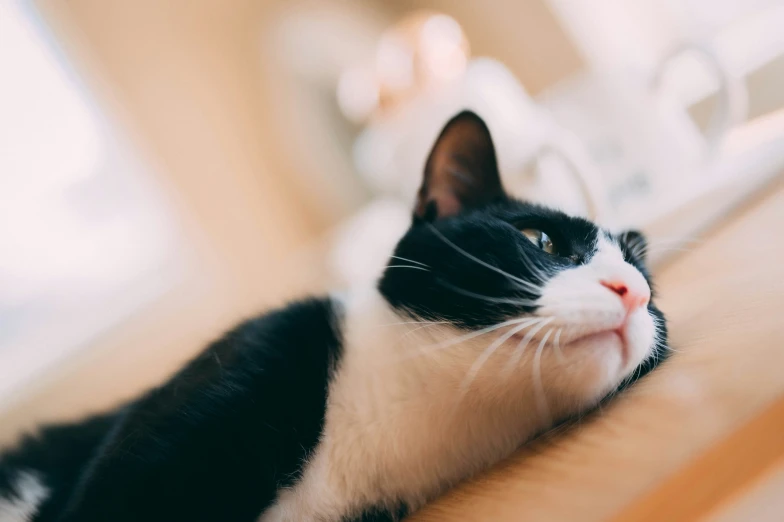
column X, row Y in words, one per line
column 169, row 167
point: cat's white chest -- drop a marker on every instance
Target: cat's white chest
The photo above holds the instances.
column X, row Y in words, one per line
column 395, row 430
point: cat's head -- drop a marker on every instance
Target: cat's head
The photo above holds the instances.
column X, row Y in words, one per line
column 528, row 285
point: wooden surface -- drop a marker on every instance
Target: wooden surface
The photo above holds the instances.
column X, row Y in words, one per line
column 730, row 467
column 763, row 502
column 696, row 435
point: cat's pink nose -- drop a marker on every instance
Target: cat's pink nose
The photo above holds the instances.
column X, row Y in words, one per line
column 631, row 297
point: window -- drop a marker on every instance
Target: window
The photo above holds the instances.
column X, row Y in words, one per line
column 85, row 235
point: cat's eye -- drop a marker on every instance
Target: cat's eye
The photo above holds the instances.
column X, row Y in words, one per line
column 540, row 239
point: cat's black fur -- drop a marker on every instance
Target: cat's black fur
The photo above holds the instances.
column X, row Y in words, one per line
column 448, row 290
column 220, row 438
column 213, row 444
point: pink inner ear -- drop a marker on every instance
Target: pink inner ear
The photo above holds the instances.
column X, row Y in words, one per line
column 448, row 204
column 461, row 171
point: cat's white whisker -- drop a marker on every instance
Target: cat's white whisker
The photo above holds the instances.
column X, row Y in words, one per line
column 541, row 398
column 410, row 322
column 489, row 351
column 409, row 266
column 490, row 299
column 557, row 346
column 518, row 352
column 483, row 263
column 426, row 325
column 580, row 305
column 410, row 261
column 431, row 348
column 535, row 268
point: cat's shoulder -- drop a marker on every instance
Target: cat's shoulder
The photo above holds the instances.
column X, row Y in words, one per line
column 308, row 329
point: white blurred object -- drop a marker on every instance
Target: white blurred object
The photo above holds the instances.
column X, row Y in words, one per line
column 637, row 33
column 661, row 173
column 538, row 159
column 443, row 54
column 743, row 47
column 358, row 94
column 742, row 35
column 643, row 140
column 422, row 52
column 362, row 246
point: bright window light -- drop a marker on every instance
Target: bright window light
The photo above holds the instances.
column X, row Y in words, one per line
column 84, row 233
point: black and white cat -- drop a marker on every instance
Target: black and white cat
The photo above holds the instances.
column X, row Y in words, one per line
column 493, row 320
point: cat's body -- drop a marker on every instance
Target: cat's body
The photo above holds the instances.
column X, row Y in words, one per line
column 363, row 408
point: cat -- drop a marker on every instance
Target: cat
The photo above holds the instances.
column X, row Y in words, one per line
column 494, row 320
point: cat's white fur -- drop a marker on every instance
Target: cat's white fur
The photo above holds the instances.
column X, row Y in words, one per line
column 31, row 493
column 403, row 422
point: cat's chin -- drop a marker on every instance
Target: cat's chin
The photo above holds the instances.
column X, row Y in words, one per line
column 596, row 363
column 609, row 341
column 623, row 347
column 603, row 356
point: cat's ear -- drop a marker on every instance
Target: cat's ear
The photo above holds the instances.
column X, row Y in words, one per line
column 634, row 243
column 461, row 171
